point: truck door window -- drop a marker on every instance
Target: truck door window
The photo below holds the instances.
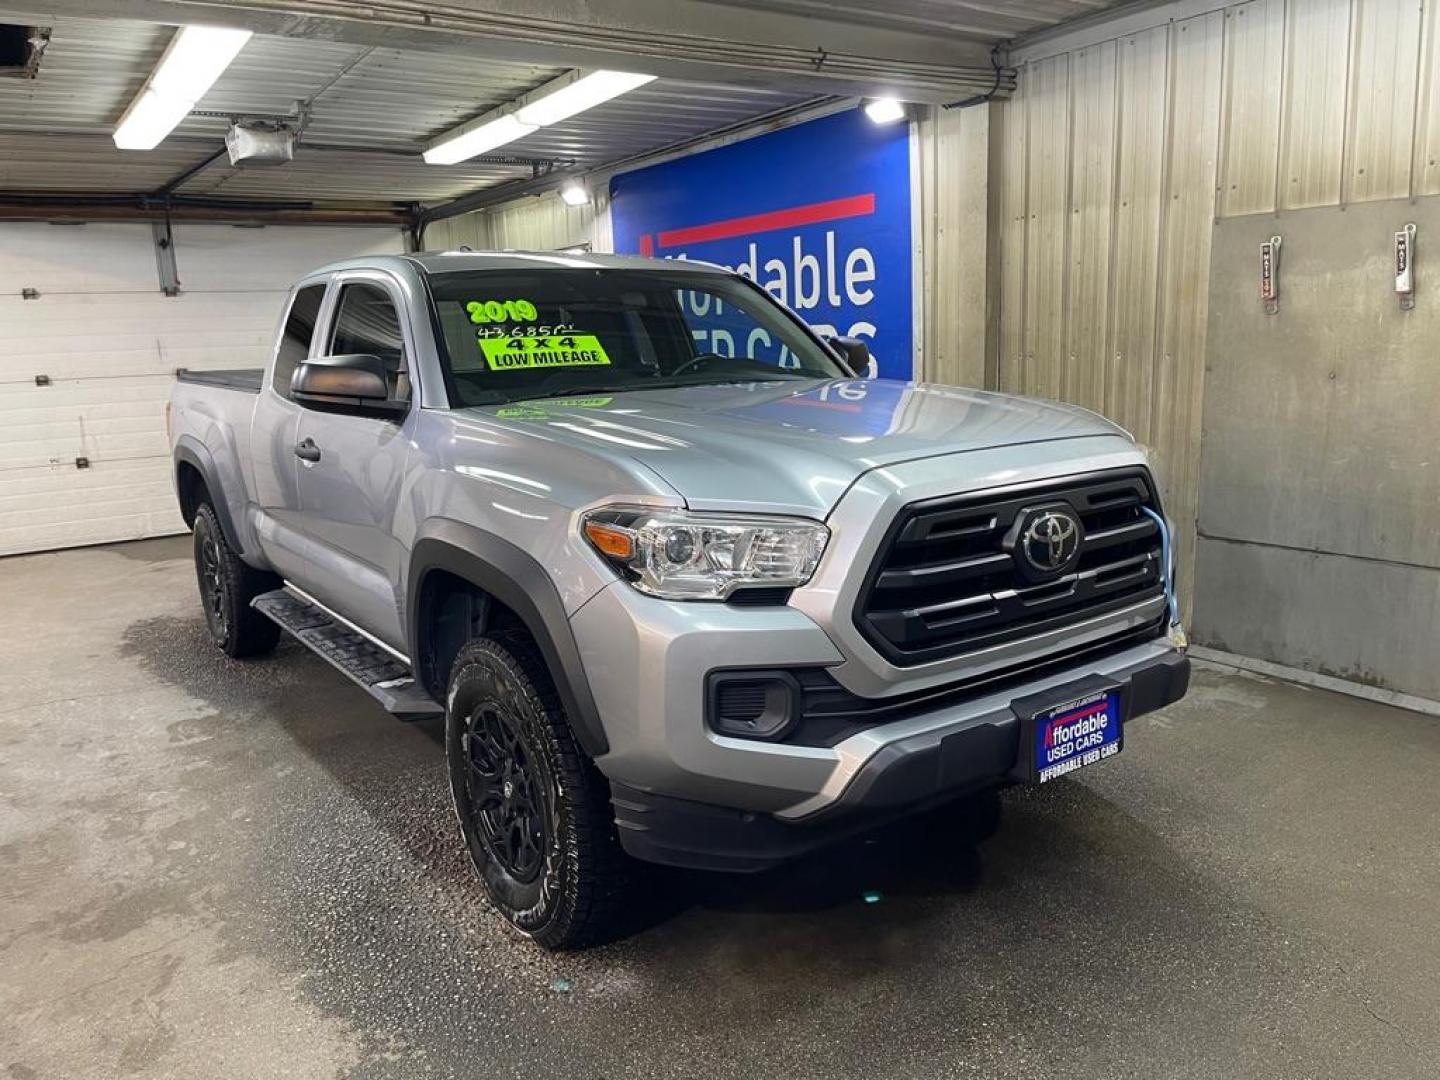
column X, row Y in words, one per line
column 366, row 322
column 295, row 339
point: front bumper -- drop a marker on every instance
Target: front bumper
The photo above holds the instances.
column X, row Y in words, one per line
column 968, row 753
column 687, row 795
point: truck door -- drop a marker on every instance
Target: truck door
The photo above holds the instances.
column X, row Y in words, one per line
column 352, row 468
column 272, row 440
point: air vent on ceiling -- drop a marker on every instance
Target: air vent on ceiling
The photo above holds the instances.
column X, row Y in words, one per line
column 21, row 48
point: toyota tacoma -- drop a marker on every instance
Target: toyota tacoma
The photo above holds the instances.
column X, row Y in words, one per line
column 685, row 586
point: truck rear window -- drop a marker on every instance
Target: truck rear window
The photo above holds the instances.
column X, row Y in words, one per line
column 510, row 336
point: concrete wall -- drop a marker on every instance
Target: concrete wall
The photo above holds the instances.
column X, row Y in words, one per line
column 1320, row 489
column 1129, row 138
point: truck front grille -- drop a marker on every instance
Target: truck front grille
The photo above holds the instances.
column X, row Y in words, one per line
column 945, row 582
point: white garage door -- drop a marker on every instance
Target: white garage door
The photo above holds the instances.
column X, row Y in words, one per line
column 86, row 366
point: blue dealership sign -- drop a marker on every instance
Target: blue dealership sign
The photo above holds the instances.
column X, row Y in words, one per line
column 818, row 214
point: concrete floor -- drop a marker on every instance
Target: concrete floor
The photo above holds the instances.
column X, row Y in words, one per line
column 211, row 868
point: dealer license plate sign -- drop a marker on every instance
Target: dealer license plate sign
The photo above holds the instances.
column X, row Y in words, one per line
column 1075, row 734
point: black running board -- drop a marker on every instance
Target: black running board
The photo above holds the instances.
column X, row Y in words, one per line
column 382, row 676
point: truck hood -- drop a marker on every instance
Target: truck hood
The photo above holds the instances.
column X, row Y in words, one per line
column 793, row 447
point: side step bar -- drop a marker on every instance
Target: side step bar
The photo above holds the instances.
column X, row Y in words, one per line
column 382, row 676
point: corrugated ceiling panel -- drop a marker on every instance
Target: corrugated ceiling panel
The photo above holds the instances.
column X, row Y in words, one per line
column 1312, row 135
column 373, row 98
column 268, row 76
column 91, row 70
column 334, row 175
column 1427, row 130
column 35, row 162
column 1254, row 69
column 994, row 20
column 1092, row 201
column 662, row 113
column 1144, row 105
column 1046, row 198
column 1196, row 48
column 1380, row 135
column 395, row 99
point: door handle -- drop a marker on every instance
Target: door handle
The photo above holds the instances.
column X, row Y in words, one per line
column 306, row 450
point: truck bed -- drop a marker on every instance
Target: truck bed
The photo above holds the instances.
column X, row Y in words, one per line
column 247, row 379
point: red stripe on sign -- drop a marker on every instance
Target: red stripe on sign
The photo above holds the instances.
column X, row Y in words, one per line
column 834, row 210
column 647, row 245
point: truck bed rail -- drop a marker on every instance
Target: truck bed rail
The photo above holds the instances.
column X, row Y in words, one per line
column 247, row 379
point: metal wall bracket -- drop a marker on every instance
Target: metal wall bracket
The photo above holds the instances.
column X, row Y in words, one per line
column 165, row 258
column 42, row 380
column 1270, row 275
column 1405, row 266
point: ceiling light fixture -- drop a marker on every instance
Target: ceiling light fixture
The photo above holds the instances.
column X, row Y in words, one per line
column 479, row 140
column 195, row 58
column 575, row 194
column 550, row 104
column 584, row 93
column 884, row 110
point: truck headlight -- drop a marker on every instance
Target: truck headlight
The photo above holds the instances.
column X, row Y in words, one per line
column 683, row 556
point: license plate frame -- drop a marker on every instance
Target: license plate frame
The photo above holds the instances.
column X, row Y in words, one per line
column 1088, row 714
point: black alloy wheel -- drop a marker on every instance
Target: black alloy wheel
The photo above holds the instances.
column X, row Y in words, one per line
column 510, row 802
column 533, row 810
column 227, row 585
column 212, row 583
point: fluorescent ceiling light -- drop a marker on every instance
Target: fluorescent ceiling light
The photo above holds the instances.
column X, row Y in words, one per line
column 478, row 140
column 584, row 93
column 196, row 57
column 885, row 110
column 575, row 194
column 556, row 101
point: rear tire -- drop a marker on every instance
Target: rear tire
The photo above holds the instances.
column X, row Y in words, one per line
column 227, row 585
column 534, row 811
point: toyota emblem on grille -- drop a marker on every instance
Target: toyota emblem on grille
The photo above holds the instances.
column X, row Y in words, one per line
column 1049, row 540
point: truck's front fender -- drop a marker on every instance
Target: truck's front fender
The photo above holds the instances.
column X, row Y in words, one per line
column 512, row 577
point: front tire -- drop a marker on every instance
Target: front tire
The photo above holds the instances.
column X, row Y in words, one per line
column 534, row 812
column 227, row 585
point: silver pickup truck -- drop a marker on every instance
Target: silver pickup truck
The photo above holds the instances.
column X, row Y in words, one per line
column 685, row 588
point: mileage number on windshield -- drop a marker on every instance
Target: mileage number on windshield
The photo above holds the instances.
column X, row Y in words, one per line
column 525, row 331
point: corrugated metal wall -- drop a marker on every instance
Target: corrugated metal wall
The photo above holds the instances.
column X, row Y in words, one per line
column 1116, row 156
column 956, row 286
column 532, row 224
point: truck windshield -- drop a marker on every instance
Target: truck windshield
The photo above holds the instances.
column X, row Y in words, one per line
column 518, row 335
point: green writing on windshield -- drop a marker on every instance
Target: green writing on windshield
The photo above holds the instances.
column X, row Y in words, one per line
column 483, row 312
column 518, row 353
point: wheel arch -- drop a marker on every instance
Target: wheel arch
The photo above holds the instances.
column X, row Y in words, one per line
column 507, row 584
column 197, row 481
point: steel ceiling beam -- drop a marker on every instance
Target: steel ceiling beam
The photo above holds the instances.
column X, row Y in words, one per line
column 695, row 40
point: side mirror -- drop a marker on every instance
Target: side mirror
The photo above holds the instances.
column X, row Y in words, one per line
column 356, row 381
column 854, row 352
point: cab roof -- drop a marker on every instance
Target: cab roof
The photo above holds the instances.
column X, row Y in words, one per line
column 444, row 262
